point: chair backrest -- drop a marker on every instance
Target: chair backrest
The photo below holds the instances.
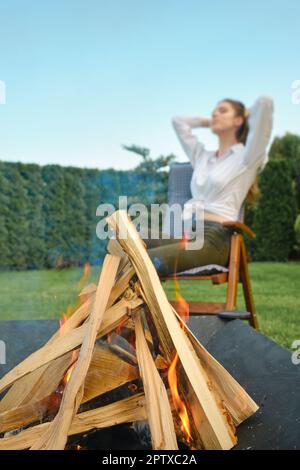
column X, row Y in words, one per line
column 179, row 190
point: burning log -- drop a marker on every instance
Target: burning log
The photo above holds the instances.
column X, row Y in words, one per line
column 124, row 411
column 239, row 404
column 202, row 395
column 218, row 434
column 106, row 372
column 157, row 403
column 21, row 391
column 114, row 317
column 56, row 436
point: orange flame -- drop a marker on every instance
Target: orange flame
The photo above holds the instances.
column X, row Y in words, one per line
column 183, row 310
column 62, row 322
column 182, row 305
column 68, row 374
column 85, row 275
column 178, row 403
column 71, row 308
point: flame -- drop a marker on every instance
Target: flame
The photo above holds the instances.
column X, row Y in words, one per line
column 183, row 310
column 178, row 403
column 62, row 322
column 71, row 308
column 85, row 275
column 68, row 374
column 184, row 241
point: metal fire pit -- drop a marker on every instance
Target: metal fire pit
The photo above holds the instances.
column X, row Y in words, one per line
column 263, row 368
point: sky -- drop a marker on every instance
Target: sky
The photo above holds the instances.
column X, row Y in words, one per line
column 83, row 77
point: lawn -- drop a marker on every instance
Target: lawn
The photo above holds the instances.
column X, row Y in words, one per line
column 47, row 294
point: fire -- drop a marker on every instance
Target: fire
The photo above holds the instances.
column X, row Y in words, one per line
column 62, row 322
column 183, row 310
column 68, row 374
column 85, row 275
column 178, row 403
column 184, row 241
column 71, row 308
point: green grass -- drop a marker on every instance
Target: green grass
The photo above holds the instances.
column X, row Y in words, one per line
column 46, row 294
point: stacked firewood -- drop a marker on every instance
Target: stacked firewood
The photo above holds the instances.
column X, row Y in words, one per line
column 186, row 393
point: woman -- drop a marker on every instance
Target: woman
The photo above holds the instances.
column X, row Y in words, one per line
column 222, row 179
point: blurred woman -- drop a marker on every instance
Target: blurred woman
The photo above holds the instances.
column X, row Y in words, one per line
column 222, row 180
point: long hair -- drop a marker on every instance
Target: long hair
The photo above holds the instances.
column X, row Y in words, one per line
column 241, row 136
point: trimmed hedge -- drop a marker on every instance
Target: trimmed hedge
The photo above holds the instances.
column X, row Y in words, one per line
column 48, row 214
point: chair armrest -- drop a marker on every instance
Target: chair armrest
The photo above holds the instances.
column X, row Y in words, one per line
column 239, row 226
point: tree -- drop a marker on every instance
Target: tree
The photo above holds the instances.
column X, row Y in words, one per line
column 275, row 214
column 151, row 175
column 288, row 148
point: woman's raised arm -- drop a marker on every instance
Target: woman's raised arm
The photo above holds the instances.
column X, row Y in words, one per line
column 190, row 143
column 260, row 128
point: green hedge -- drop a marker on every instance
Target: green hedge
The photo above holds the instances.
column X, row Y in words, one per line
column 274, row 217
column 48, row 214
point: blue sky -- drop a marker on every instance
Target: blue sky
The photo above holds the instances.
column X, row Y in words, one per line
column 84, row 76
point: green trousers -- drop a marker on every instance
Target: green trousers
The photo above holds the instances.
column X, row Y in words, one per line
column 169, row 256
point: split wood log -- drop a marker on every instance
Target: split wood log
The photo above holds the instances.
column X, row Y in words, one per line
column 237, row 401
column 124, row 411
column 21, row 391
column 87, row 292
column 114, row 248
column 105, row 373
column 57, row 434
column 157, row 404
column 219, row 434
column 114, row 317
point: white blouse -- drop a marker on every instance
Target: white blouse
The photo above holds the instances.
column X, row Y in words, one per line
column 221, row 183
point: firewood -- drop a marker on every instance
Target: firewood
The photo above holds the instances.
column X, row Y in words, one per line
column 21, row 390
column 105, row 373
column 157, row 404
column 239, row 404
column 114, row 248
column 87, row 292
column 56, row 436
column 123, row 411
column 218, row 434
column 114, row 316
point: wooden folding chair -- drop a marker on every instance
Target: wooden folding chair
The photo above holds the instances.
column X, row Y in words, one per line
column 237, row 269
